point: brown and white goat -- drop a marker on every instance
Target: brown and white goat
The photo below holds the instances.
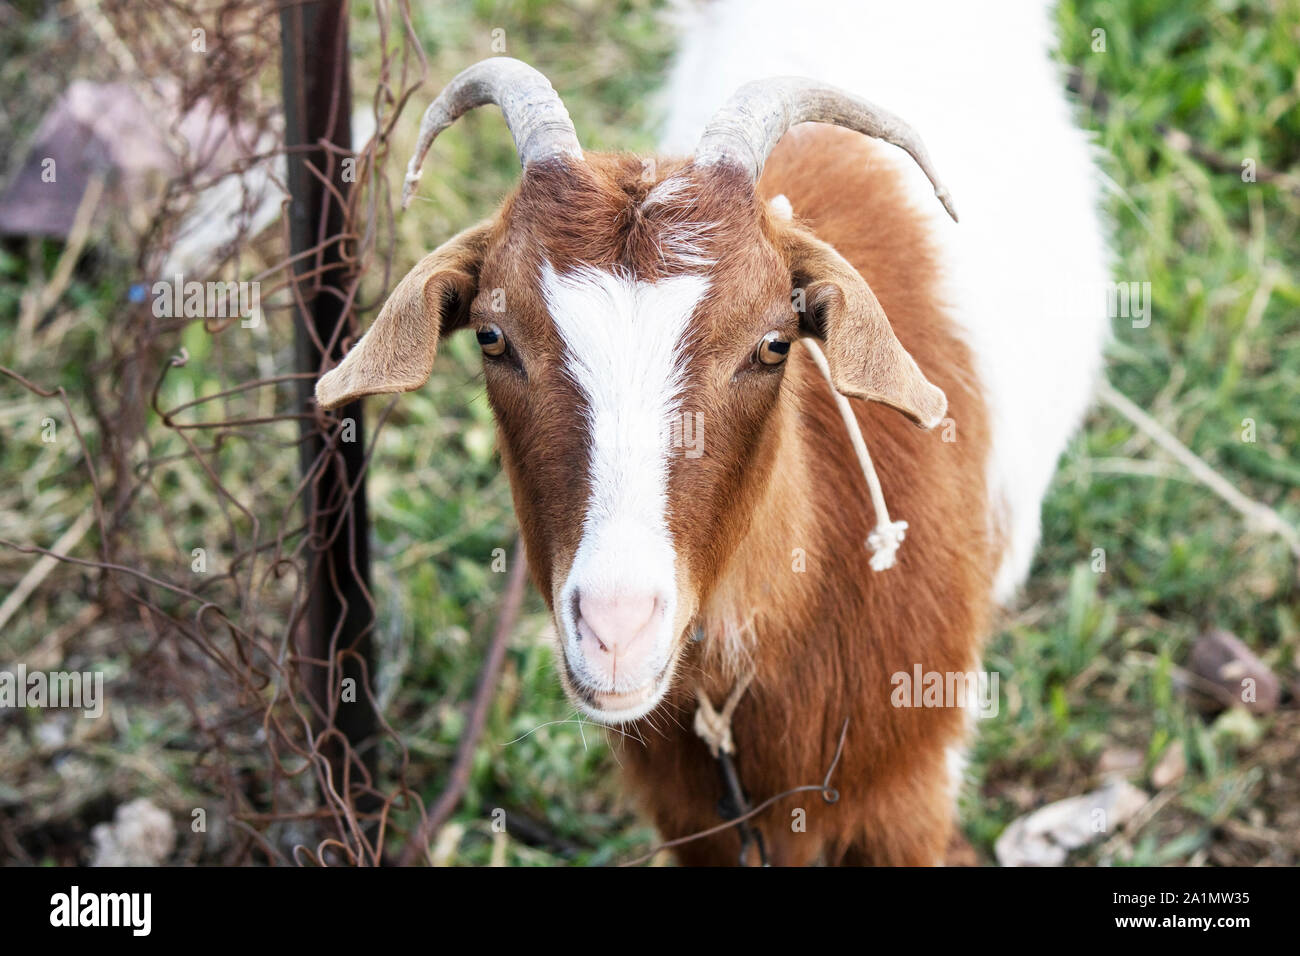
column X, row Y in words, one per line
column 615, row 300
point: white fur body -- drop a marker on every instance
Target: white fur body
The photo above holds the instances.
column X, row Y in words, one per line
column 1025, row 271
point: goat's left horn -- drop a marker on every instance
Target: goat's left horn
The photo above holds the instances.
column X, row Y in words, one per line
column 533, row 110
column 749, row 125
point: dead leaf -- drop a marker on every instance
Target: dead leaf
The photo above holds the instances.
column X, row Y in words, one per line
column 1046, row 836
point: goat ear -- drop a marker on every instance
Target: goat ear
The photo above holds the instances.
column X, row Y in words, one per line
column 396, row 353
column 865, row 357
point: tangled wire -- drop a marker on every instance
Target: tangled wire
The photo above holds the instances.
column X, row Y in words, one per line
column 288, row 732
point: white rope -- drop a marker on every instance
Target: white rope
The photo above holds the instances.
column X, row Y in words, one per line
column 888, row 535
column 714, row 727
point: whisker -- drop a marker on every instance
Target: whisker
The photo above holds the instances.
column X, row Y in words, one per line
column 567, row 720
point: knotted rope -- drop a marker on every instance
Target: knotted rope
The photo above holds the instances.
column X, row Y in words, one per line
column 714, row 727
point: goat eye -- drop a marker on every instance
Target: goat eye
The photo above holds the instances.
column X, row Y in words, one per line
column 773, row 349
column 492, row 340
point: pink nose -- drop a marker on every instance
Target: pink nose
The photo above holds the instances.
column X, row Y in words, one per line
column 616, row 632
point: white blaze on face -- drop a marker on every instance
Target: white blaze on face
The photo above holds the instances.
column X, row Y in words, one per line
column 624, row 340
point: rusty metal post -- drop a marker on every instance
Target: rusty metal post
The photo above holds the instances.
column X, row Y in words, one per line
column 340, row 615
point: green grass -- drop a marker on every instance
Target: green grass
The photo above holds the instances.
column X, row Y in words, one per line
column 1089, row 661
column 1091, row 656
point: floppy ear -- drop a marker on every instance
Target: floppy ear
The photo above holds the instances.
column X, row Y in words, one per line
column 865, row 358
column 396, row 354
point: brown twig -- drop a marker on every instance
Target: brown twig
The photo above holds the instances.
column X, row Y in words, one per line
column 458, row 779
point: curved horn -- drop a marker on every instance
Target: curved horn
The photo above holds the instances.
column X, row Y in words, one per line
column 537, row 118
column 750, row 124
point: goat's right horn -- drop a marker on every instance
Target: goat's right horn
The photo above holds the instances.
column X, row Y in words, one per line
column 533, row 110
column 745, row 130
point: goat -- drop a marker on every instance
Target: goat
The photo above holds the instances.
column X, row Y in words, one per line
column 615, row 299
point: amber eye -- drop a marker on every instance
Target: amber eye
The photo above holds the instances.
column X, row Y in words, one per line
column 492, row 340
column 773, row 349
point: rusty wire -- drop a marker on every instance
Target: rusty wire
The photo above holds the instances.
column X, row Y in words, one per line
column 230, row 647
